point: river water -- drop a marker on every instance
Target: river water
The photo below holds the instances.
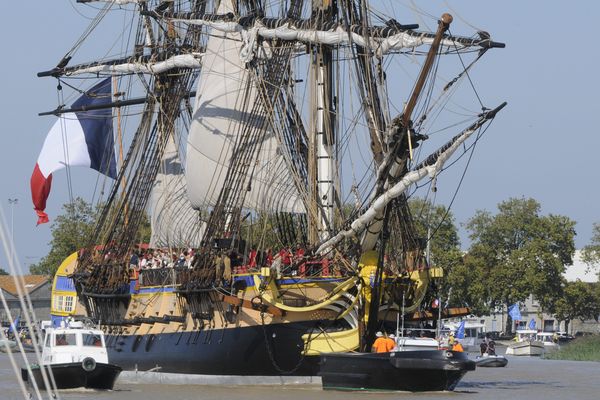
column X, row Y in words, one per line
column 523, row 378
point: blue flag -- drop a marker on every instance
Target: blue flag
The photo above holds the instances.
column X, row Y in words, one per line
column 532, row 324
column 514, row 312
column 14, row 325
column 460, row 331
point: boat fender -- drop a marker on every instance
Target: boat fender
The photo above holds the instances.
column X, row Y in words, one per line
column 88, row 364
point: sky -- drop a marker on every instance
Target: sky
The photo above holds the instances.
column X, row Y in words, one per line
column 543, row 145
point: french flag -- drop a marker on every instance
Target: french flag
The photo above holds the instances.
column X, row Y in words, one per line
column 79, row 138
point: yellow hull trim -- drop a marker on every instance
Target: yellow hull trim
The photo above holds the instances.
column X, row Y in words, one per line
column 331, row 342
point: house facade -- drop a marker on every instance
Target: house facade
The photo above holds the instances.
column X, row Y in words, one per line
column 39, row 289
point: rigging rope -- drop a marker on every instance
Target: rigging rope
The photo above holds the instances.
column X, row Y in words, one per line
column 28, row 311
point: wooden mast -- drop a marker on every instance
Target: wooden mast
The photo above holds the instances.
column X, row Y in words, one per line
column 322, row 166
column 375, row 294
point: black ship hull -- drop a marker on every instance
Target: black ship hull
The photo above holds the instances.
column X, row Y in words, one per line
column 269, row 350
column 74, row 375
column 413, row 371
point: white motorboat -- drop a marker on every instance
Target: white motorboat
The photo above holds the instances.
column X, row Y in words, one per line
column 416, row 343
column 526, row 344
column 547, row 338
column 77, row 357
column 473, row 331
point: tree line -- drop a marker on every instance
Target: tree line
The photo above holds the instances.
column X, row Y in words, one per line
column 514, row 252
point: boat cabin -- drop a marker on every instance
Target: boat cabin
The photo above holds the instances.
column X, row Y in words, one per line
column 73, row 344
column 549, row 339
column 473, row 332
column 526, row 335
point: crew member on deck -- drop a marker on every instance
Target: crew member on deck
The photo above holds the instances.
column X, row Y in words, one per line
column 391, row 340
column 457, row 346
column 381, row 344
column 451, row 340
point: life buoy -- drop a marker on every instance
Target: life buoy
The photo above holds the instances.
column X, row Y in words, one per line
column 88, row 364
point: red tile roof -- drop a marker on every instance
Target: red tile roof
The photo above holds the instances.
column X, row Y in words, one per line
column 31, row 282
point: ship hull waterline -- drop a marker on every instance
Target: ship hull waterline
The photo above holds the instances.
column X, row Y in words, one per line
column 261, row 350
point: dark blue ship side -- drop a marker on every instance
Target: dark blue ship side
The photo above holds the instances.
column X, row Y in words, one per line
column 263, row 350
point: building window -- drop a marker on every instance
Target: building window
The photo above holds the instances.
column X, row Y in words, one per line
column 68, row 304
column 58, row 303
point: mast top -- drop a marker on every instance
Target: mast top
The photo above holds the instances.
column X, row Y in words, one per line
column 447, row 18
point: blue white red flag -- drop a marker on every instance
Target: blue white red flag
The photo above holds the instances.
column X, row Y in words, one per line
column 460, row 331
column 514, row 312
column 83, row 138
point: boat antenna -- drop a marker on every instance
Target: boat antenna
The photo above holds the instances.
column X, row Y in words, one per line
column 403, row 305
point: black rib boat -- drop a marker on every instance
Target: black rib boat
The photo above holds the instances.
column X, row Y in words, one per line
column 412, row 371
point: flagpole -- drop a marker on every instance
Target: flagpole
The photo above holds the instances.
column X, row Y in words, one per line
column 123, row 182
column 116, row 95
column 12, row 203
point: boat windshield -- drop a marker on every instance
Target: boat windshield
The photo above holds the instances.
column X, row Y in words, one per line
column 65, row 339
column 90, row 339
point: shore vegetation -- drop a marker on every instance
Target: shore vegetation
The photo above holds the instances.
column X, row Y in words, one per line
column 586, row 348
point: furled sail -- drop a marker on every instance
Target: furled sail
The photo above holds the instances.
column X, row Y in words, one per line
column 225, row 103
column 174, row 222
column 135, row 66
column 382, row 40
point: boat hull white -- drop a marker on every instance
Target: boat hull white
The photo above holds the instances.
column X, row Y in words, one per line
column 533, row 348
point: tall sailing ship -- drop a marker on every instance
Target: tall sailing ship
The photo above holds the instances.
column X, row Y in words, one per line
column 275, row 149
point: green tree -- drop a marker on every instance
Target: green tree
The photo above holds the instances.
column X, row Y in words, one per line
column 591, row 253
column 3, row 272
column 580, row 300
column 70, row 232
column 438, row 222
column 519, row 252
column 144, row 230
column 467, row 288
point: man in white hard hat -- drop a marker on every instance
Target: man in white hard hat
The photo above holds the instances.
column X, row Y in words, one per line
column 379, row 345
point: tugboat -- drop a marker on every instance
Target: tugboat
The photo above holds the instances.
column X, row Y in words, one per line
column 77, row 358
column 412, row 371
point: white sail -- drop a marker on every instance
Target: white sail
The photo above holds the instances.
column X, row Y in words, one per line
column 174, row 222
column 226, row 95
